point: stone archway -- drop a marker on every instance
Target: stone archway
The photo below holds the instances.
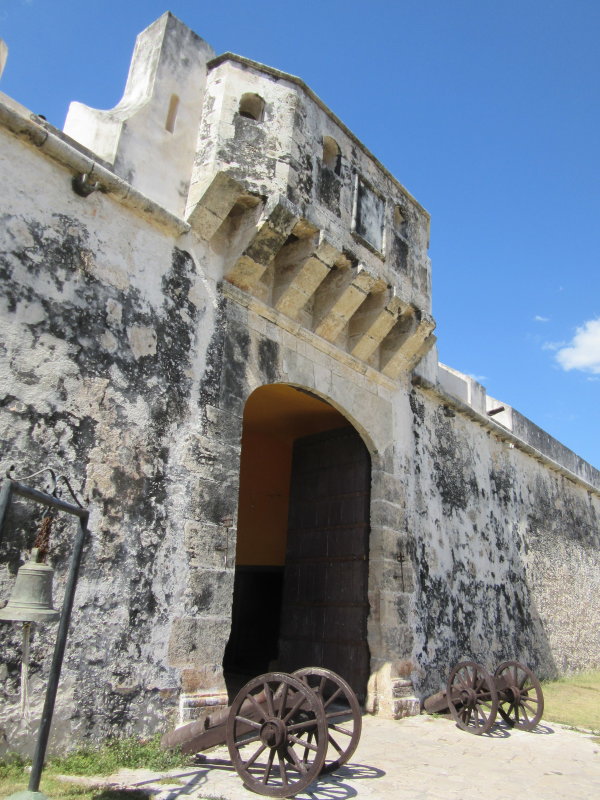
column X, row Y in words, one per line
column 300, row 593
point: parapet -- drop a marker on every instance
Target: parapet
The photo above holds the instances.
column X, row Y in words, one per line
column 149, row 138
column 467, row 396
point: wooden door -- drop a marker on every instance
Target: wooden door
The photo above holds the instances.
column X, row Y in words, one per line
column 324, row 609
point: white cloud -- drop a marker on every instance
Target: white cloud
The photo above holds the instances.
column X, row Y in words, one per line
column 537, row 318
column 583, row 352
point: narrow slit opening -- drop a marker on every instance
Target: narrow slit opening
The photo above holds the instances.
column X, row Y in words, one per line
column 172, row 113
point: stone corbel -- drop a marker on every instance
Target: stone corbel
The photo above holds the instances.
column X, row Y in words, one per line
column 373, row 321
column 272, row 231
column 296, row 282
column 340, row 299
column 407, row 343
column 209, row 204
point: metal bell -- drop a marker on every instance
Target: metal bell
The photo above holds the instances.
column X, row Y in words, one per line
column 31, row 599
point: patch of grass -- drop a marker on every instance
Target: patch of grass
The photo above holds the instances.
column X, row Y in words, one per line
column 12, row 767
column 574, row 700
column 104, row 759
column 115, row 754
column 61, row 790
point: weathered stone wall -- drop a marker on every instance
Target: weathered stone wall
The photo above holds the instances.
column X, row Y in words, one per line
column 102, row 347
column 506, row 552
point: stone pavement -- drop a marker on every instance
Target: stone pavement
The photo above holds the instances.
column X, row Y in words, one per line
column 419, row 758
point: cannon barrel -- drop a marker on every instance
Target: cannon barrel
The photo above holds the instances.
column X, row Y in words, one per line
column 208, row 732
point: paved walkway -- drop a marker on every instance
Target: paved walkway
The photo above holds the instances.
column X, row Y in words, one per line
column 420, row 758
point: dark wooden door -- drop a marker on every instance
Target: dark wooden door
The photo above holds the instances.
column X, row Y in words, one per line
column 324, row 609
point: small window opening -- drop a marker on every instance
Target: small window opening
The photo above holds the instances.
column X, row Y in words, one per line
column 252, row 106
column 332, row 155
column 399, row 220
column 172, row 113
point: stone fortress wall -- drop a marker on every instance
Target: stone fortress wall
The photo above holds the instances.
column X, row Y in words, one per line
column 219, row 231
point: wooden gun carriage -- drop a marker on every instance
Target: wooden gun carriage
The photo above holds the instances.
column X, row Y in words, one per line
column 474, row 697
column 279, row 729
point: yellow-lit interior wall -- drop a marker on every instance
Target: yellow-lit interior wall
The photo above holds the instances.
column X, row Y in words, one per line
column 274, row 417
column 264, row 493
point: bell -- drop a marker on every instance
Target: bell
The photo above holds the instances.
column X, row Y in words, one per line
column 31, row 599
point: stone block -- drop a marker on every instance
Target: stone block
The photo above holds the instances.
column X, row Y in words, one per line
column 209, row 592
column 387, row 514
column 210, row 458
column 409, row 341
column 212, row 501
column 207, row 680
column 224, row 425
column 195, row 642
column 406, row 707
column 209, row 545
column 402, row 687
column 300, row 269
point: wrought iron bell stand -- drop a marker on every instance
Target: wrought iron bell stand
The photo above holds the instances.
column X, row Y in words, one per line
column 24, row 603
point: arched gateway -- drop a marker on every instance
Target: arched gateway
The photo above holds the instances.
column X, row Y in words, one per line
column 301, row 575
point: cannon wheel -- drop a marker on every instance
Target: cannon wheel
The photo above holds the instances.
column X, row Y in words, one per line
column 520, row 694
column 283, row 752
column 342, row 711
column 472, row 697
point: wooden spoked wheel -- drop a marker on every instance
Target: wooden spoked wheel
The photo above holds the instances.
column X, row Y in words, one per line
column 521, row 700
column 472, row 697
column 342, row 711
column 277, row 735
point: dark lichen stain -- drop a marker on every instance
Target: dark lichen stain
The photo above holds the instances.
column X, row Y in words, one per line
column 417, row 407
column 210, row 384
column 452, row 462
column 329, row 188
column 236, row 352
column 268, row 355
column 501, row 483
column 398, row 253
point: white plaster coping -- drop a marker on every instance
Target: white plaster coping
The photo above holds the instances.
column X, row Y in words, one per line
column 501, row 432
column 3, row 55
column 26, row 126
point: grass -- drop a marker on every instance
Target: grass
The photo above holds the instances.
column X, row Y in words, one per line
column 116, row 754
column 574, row 701
column 56, row 789
column 105, row 759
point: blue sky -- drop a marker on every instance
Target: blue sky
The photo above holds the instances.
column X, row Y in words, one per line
column 487, row 111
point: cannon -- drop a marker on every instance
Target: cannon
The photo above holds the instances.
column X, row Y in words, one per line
column 281, row 730
column 474, row 697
